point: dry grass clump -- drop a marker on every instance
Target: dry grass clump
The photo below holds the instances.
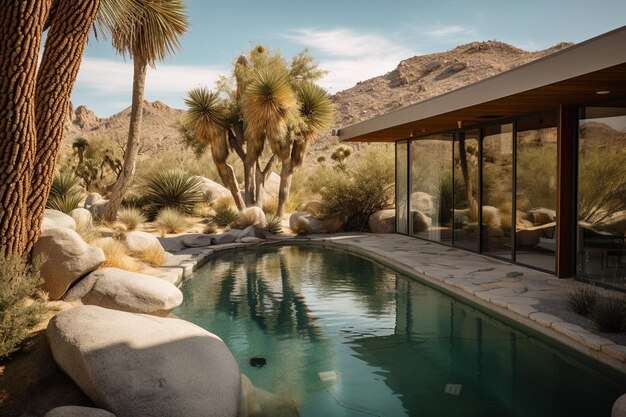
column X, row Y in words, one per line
column 117, row 256
column 88, row 231
column 170, row 220
column 270, row 206
column 223, row 202
column 582, row 300
column 210, row 228
column 131, row 217
column 300, row 227
column 20, row 302
column 609, row 313
column 155, row 255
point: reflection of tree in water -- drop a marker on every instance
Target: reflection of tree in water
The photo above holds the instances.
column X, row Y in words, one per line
column 272, row 300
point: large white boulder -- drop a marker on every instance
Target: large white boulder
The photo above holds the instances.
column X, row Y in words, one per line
column 141, row 365
column 58, row 219
column 217, row 190
column 126, row 291
column 66, row 258
column 423, row 202
column 82, row 216
column 138, row 241
column 272, row 185
column 252, row 216
column 76, row 411
column 383, row 221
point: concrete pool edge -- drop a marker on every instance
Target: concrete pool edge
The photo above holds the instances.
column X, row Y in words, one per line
column 568, row 336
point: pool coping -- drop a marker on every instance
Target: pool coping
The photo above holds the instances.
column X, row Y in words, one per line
column 184, row 261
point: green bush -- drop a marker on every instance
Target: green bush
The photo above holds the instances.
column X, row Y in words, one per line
column 171, row 189
column 274, row 224
column 582, row 300
column 131, row 217
column 18, row 284
column 609, row 314
column 366, row 186
column 65, row 193
column 170, row 220
column 225, row 216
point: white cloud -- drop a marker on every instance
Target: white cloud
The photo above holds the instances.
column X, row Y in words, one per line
column 107, row 76
column 351, row 56
column 449, row 33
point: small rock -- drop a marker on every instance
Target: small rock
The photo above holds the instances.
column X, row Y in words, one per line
column 228, row 237
column 59, row 219
column 76, row 411
column 198, row 241
column 459, row 66
column 383, row 221
column 138, row 241
column 67, row 258
column 126, row 291
column 514, row 274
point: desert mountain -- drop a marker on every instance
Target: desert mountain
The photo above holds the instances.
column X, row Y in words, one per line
column 413, row 80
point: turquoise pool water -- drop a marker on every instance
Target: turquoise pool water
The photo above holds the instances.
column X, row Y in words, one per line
column 347, row 336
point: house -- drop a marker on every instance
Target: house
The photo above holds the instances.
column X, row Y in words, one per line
column 528, row 166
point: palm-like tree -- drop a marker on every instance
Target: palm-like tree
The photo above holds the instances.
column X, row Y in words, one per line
column 80, row 144
column 31, row 125
column 156, row 31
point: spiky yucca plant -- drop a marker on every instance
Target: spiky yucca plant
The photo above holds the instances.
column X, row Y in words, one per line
column 274, row 224
column 66, row 193
column 173, row 189
column 225, row 216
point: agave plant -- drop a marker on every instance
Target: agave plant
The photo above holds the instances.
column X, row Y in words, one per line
column 274, row 224
column 174, row 189
column 225, row 216
column 65, row 193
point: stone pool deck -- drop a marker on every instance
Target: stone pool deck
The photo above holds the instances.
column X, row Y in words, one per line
column 532, row 298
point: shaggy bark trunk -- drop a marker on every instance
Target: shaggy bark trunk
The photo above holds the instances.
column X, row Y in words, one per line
column 127, row 175
column 286, row 172
column 65, row 42
column 21, row 27
column 249, row 182
column 227, row 174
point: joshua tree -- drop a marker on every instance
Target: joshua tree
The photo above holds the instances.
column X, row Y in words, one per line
column 265, row 100
column 156, row 30
column 34, row 100
column 340, row 155
column 80, row 144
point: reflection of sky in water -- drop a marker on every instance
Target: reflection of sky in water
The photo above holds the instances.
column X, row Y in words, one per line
column 385, row 345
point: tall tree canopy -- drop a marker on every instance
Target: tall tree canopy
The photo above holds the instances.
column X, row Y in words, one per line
column 265, row 101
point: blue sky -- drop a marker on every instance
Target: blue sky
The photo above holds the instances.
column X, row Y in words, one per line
column 353, row 40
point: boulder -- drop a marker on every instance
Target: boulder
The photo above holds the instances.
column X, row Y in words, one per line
column 252, row 216
column 272, row 185
column 423, row 202
column 138, row 241
column 126, row 291
column 82, row 217
column 228, row 237
column 197, row 241
column 91, row 199
column 76, row 411
column 96, row 204
column 67, row 258
column 140, row 365
column 209, row 186
column 59, row 219
column 383, row 221
column 491, row 217
column 303, row 223
column 251, row 239
column 619, row 407
column 542, row 216
column 421, row 222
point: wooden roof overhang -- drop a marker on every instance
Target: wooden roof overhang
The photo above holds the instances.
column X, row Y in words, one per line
column 569, row 77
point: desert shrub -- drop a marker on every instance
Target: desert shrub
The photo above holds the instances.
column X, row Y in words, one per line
column 131, row 217
column 171, row 189
column 65, row 193
column 116, row 255
column 18, row 314
column 536, row 172
column 582, row 300
column 609, row 313
column 210, row 227
column 274, row 224
column 299, row 193
column 270, row 206
column 447, row 186
column 365, row 187
column 170, row 220
column 223, row 202
column 602, row 184
column 225, row 216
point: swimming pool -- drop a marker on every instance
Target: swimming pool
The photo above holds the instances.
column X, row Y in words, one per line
column 346, row 336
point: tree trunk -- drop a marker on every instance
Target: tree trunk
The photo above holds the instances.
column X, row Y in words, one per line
column 127, row 175
column 469, row 189
column 21, row 28
column 261, row 177
column 227, row 174
column 286, row 172
column 65, row 42
column 249, row 181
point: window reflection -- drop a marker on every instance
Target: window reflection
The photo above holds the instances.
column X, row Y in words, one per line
column 535, row 228
column 401, row 187
column 601, row 253
column 431, row 188
column 497, row 182
column 466, row 187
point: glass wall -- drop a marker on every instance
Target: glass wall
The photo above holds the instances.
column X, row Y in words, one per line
column 402, row 225
column 536, row 188
column 466, row 187
column 601, row 248
column 431, row 188
column 497, row 189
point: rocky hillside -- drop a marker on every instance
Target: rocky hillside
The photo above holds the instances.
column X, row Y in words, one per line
column 413, row 80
